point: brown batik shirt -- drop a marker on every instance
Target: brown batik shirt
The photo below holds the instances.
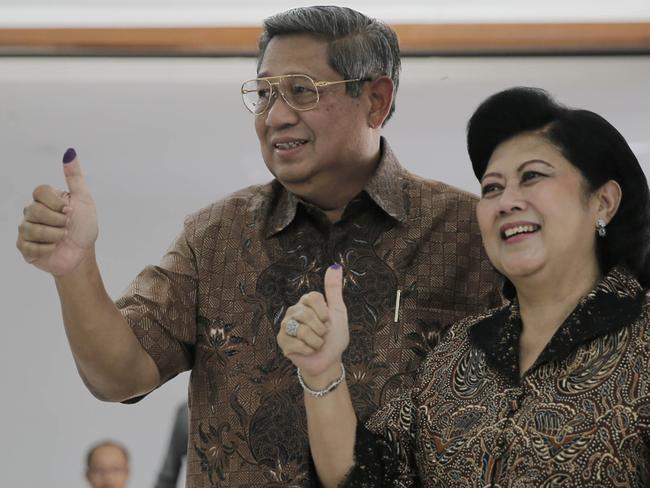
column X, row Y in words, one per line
column 215, row 302
column 580, row 416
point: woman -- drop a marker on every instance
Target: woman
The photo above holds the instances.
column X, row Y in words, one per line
column 552, row 389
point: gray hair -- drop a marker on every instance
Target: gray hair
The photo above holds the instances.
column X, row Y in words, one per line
column 359, row 46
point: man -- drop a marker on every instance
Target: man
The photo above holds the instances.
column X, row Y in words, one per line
column 410, row 249
column 107, row 465
column 176, row 450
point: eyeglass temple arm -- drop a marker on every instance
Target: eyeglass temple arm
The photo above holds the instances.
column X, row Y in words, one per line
column 325, row 83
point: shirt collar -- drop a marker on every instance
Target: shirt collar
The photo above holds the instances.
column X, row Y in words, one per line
column 385, row 188
column 284, row 210
column 616, row 301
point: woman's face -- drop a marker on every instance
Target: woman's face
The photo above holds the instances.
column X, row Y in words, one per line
column 534, row 214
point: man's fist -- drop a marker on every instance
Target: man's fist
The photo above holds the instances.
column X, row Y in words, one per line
column 59, row 228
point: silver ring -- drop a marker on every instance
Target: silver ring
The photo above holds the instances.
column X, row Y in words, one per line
column 292, row 327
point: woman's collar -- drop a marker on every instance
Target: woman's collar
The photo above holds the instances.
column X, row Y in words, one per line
column 615, row 301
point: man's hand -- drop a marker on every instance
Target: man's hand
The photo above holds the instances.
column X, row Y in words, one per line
column 59, row 228
column 322, row 333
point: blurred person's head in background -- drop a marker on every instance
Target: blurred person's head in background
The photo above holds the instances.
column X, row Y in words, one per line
column 107, row 465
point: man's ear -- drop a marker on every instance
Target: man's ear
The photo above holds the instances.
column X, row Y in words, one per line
column 609, row 198
column 380, row 92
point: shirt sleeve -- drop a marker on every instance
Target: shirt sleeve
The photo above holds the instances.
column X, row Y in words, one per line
column 642, row 369
column 384, row 451
column 160, row 306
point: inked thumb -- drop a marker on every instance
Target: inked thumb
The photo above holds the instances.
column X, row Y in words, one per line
column 72, row 171
column 334, row 287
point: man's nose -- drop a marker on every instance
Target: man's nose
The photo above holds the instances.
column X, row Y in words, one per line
column 280, row 113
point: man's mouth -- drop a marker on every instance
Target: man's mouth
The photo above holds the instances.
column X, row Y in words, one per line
column 518, row 230
column 289, row 144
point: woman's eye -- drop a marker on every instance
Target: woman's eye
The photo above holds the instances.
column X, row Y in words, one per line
column 490, row 188
column 530, row 175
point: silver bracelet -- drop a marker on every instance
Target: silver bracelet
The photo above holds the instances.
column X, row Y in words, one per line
column 329, row 388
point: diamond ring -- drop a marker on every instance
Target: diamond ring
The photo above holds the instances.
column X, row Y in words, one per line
column 292, row 327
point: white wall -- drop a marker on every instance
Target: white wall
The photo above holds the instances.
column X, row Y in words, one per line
column 159, row 138
column 41, row 13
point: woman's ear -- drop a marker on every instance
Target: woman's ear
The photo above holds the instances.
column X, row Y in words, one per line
column 609, row 198
column 380, row 91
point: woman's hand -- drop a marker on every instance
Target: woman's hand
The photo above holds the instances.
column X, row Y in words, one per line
column 322, row 333
column 316, row 346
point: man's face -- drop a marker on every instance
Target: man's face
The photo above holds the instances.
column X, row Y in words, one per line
column 311, row 152
column 108, row 468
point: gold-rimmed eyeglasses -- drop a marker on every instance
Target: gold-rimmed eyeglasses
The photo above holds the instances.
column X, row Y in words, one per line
column 300, row 92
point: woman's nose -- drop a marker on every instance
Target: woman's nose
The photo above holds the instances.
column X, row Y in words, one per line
column 511, row 199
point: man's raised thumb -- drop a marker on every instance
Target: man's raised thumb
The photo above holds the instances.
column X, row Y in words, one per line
column 72, row 171
column 334, row 287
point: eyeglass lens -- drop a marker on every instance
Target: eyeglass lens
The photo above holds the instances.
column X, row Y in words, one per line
column 298, row 91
